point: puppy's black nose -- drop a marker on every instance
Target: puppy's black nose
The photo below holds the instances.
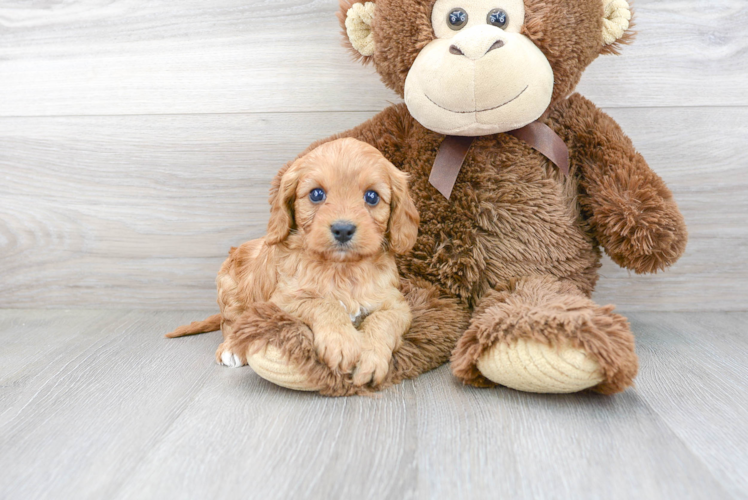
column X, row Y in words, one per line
column 343, row 230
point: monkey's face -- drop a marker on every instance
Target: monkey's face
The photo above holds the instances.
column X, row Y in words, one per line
column 480, row 67
column 480, row 75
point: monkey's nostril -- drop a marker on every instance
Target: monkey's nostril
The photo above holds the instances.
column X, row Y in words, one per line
column 496, row 45
column 343, row 231
column 454, row 49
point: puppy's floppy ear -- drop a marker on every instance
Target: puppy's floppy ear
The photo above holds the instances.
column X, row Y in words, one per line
column 282, row 197
column 402, row 229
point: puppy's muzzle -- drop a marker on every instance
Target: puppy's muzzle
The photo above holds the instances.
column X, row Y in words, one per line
column 343, row 231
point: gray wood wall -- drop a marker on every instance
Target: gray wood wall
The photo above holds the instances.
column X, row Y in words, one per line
column 138, row 139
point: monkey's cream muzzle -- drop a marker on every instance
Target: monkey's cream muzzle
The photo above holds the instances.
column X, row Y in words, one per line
column 482, row 81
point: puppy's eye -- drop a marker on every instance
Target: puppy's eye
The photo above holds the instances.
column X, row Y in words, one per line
column 371, row 197
column 317, row 195
column 498, row 18
column 457, row 19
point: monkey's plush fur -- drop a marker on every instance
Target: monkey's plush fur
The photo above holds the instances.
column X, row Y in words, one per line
column 514, row 254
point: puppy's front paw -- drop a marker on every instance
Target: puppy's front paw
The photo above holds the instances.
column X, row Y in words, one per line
column 373, row 367
column 226, row 357
column 340, row 351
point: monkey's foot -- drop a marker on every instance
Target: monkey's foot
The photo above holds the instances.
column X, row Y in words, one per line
column 273, row 367
column 538, row 334
column 532, row 366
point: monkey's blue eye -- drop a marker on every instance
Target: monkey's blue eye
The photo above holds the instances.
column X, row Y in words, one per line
column 457, row 19
column 317, row 195
column 371, row 197
column 498, row 18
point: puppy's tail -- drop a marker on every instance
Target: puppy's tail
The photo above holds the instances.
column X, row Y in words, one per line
column 210, row 324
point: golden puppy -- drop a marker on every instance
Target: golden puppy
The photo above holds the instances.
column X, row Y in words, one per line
column 338, row 217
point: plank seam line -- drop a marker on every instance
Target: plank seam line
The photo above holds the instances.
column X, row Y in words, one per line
column 326, row 111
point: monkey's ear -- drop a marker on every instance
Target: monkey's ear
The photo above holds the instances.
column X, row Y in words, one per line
column 356, row 19
column 617, row 24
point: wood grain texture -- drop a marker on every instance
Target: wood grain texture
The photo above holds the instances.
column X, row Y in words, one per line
column 229, row 56
column 81, row 413
column 140, row 211
column 693, row 375
column 111, row 409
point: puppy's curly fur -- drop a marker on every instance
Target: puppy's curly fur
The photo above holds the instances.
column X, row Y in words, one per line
column 346, row 291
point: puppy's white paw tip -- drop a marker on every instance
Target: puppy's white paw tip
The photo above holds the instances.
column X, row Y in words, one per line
column 230, row 359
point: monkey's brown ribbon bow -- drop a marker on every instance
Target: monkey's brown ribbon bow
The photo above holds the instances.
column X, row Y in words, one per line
column 454, row 149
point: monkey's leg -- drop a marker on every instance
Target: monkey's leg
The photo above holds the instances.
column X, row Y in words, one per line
column 542, row 335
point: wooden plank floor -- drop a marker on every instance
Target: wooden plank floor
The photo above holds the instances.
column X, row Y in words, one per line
column 96, row 404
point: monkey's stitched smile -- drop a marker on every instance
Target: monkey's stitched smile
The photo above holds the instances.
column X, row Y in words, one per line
column 477, row 110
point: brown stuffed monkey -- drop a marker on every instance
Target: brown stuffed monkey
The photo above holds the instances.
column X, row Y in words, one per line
column 519, row 183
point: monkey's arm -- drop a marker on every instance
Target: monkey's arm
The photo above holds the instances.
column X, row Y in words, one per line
column 629, row 208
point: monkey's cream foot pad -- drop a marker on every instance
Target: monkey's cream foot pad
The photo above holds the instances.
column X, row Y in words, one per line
column 533, row 366
column 271, row 365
